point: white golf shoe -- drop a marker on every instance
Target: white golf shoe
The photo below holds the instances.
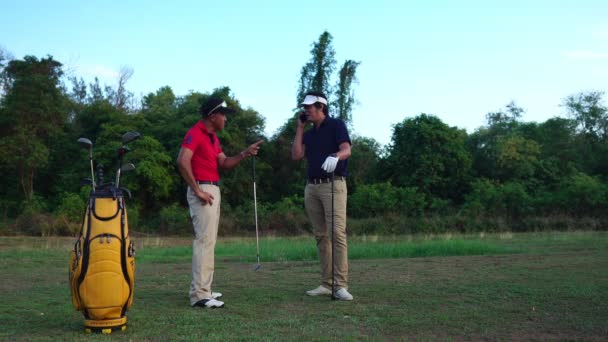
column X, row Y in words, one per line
column 342, row 294
column 216, row 295
column 209, row 303
column 319, row 291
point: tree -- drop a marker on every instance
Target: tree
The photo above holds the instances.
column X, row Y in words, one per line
column 483, row 144
column 5, row 57
column 590, row 114
column 428, row 154
column 122, row 97
column 316, row 74
column 517, row 157
column 363, row 163
column 345, row 96
column 33, row 114
column 591, row 117
column 505, row 120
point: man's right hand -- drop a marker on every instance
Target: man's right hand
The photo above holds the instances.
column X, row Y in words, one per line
column 302, row 124
column 205, row 197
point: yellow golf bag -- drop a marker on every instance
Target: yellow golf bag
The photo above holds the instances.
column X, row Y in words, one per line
column 102, row 266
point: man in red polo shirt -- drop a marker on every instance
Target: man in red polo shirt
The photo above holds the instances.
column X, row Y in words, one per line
column 199, row 160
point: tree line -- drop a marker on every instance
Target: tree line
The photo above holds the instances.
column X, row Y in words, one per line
column 431, row 177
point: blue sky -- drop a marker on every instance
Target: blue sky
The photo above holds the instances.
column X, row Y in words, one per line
column 457, row 60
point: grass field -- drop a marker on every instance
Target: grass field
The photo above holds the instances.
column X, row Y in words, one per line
column 550, row 286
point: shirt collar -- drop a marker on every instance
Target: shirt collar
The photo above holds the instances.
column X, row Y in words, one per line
column 324, row 122
column 202, row 127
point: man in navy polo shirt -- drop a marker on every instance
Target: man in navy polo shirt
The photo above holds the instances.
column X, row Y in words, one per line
column 199, row 160
column 326, row 147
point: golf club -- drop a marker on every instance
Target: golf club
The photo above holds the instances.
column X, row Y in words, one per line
column 255, row 210
column 84, row 142
column 126, row 138
column 100, row 177
column 130, row 136
column 124, row 168
column 333, row 243
column 121, row 152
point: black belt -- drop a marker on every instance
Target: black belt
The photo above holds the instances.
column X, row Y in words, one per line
column 324, row 180
column 209, row 182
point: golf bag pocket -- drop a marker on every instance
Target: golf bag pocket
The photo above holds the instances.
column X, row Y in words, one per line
column 102, row 267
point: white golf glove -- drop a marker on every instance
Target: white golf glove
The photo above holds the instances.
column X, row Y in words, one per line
column 330, row 164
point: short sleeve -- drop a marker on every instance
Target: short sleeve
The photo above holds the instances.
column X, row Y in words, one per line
column 190, row 141
column 341, row 133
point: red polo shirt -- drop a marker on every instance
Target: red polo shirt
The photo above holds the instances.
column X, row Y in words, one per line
column 205, row 147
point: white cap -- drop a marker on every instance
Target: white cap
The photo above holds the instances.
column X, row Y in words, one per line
column 310, row 99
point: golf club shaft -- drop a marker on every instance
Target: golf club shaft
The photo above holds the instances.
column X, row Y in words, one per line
column 255, row 210
column 117, row 178
column 92, row 171
column 333, row 242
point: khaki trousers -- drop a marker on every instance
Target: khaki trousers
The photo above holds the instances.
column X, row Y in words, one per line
column 205, row 219
column 317, row 198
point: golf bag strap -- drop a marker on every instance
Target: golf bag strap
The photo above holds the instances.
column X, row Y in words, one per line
column 123, row 254
column 85, row 249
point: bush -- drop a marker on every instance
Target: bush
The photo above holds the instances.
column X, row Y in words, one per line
column 484, row 198
column 489, row 198
column 174, row 220
column 133, row 217
column 71, row 207
column 288, row 216
column 33, row 220
column 516, row 199
column 242, row 218
column 582, row 194
column 383, row 198
column 45, row 224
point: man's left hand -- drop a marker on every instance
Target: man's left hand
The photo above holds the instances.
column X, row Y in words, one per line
column 253, row 149
column 330, row 164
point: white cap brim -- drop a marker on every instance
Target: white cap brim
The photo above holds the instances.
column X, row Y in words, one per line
column 310, row 99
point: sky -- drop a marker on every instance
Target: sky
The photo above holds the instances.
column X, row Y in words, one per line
column 457, row 60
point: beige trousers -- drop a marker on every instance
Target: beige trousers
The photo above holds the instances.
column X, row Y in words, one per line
column 205, row 219
column 317, row 198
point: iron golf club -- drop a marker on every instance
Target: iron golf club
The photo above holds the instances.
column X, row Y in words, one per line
column 121, row 152
column 123, row 168
column 255, row 210
column 84, row 142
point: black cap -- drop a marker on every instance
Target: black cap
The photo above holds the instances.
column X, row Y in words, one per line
column 215, row 104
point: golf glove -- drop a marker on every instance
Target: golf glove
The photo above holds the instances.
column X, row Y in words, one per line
column 330, row 164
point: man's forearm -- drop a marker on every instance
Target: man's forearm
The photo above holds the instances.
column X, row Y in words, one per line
column 344, row 152
column 296, row 146
column 233, row 161
column 188, row 176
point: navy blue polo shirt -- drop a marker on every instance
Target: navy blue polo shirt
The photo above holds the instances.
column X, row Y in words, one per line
column 321, row 143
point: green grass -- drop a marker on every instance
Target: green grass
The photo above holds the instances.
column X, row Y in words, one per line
column 549, row 286
column 304, row 248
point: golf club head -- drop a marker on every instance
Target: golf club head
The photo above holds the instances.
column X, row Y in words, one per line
column 256, row 267
column 84, row 142
column 126, row 191
column 130, row 136
column 127, row 167
column 123, row 150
